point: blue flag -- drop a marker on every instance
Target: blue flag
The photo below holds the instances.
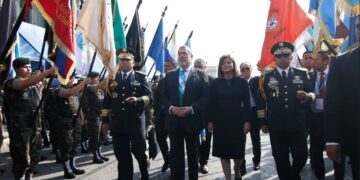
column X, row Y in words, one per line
column 157, row 48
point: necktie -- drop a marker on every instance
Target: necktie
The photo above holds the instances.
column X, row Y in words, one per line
column 283, row 75
column 124, row 77
column 182, row 82
column 322, row 85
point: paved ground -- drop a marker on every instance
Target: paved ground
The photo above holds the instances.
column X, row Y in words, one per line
column 48, row 169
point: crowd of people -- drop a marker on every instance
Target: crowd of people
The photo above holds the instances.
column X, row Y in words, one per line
column 320, row 102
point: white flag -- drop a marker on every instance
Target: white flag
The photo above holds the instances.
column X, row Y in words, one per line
column 96, row 22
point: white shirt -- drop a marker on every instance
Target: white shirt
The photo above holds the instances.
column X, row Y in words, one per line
column 281, row 70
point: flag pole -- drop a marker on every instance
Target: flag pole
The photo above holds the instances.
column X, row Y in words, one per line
column 84, row 90
column 43, row 46
column 147, row 54
column 12, row 36
column 189, row 37
column 332, row 50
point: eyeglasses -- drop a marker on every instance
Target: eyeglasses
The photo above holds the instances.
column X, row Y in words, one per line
column 245, row 69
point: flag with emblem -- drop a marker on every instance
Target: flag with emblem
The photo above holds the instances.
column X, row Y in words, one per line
column 286, row 21
column 96, row 22
column 59, row 16
column 135, row 40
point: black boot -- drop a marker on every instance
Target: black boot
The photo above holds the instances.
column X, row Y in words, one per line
column 73, row 167
column 84, row 148
column 29, row 174
column 68, row 173
column 97, row 159
column 101, row 156
column 58, row 156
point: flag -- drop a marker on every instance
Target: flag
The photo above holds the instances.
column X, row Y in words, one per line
column 325, row 23
column 59, row 16
column 286, row 21
column 81, row 49
column 157, row 48
column 7, row 20
column 350, row 41
column 96, row 22
column 188, row 41
column 119, row 35
column 171, row 48
column 135, row 40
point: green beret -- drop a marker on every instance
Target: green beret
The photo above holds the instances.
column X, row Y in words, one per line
column 20, row 62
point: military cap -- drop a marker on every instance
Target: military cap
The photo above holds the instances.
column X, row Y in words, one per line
column 93, row 74
column 20, row 62
column 282, row 48
column 125, row 53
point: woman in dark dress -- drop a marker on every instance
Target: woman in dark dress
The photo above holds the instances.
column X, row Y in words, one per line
column 229, row 115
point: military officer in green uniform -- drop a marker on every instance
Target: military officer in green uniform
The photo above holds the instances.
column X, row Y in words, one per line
column 94, row 97
column 67, row 106
column 126, row 98
column 286, row 93
column 24, row 129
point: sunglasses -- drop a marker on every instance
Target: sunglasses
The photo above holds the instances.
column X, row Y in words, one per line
column 245, row 69
column 282, row 56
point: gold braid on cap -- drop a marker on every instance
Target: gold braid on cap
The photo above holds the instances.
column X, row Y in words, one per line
column 283, row 50
column 126, row 56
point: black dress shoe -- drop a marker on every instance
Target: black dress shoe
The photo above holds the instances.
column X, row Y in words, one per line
column 204, row 169
column 256, row 166
column 97, row 160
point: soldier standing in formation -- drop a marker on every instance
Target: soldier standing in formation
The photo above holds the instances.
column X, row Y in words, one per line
column 287, row 93
column 127, row 97
column 94, row 97
column 23, row 127
column 66, row 125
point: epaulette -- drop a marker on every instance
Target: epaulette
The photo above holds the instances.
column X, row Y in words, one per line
column 140, row 72
column 267, row 70
column 301, row 69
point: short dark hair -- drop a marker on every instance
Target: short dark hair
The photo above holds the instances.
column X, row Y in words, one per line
column 307, row 52
column 324, row 55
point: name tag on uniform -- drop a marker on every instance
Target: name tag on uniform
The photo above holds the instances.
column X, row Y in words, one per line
column 319, row 104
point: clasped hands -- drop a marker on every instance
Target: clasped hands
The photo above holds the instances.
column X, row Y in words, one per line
column 181, row 111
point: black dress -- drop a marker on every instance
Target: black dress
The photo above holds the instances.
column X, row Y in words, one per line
column 229, row 109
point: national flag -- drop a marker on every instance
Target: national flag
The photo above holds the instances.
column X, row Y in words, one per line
column 135, row 40
column 157, row 48
column 119, row 35
column 188, row 40
column 7, row 20
column 59, row 16
column 171, row 48
column 96, row 22
column 286, row 21
column 325, row 23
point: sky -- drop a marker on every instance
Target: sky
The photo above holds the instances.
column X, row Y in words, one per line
column 235, row 27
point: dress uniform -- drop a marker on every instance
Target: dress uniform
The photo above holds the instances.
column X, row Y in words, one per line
column 128, row 94
column 21, row 101
column 286, row 93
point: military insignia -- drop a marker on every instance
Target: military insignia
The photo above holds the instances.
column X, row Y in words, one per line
column 135, row 83
column 124, row 50
column 298, row 80
column 273, row 82
column 114, row 84
column 281, row 44
column 114, row 95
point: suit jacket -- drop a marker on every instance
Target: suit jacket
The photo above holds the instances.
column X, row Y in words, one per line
column 195, row 95
column 127, row 118
column 284, row 112
column 342, row 102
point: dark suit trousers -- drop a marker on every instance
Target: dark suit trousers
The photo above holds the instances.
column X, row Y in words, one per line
column 283, row 143
column 124, row 144
column 255, row 136
column 177, row 153
column 204, row 149
column 161, row 136
column 317, row 142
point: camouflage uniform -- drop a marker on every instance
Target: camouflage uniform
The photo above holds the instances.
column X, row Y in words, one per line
column 23, row 127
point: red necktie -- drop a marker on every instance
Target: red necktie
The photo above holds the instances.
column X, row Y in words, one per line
column 322, row 85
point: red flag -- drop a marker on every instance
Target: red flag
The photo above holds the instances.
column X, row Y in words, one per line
column 286, row 21
column 59, row 16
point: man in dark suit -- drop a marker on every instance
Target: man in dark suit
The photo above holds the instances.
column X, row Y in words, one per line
column 159, row 117
column 127, row 97
column 342, row 104
column 316, row 117
column 286, row 93
column 184, row 97
column 246, row 70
